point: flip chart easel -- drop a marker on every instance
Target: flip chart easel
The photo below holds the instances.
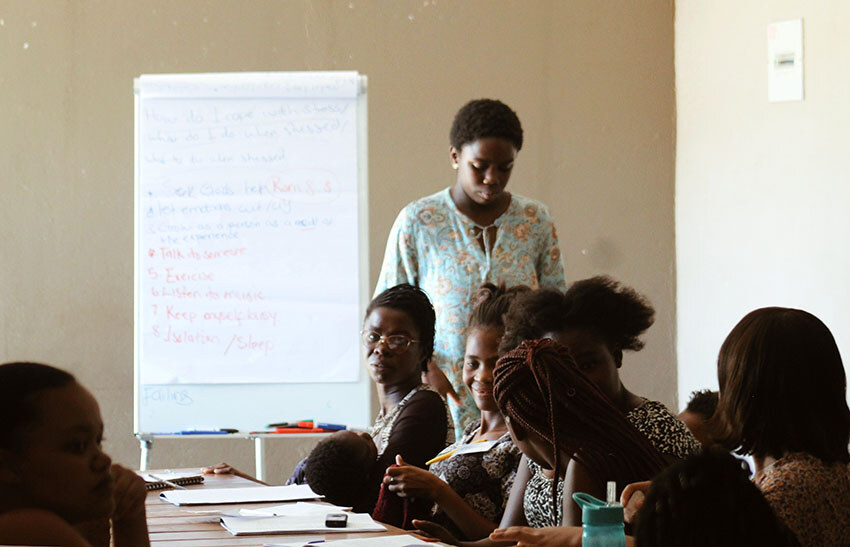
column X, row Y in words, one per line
column 250, row 258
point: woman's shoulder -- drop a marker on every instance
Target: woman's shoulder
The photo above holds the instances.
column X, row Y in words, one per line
column 37, row 527
column 427, row 401
column 807, row 472
column 529, row 207
column 812, row 497
column 437, row 201
column 667, row 433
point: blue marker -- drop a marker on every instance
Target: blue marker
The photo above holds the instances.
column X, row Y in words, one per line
column 332, row 427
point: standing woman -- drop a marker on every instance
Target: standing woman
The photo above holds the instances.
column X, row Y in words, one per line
column 452, row 242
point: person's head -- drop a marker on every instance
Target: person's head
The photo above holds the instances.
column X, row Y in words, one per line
column 485, row 138
column 597, row 318
column 483, row 335
column 554, row 413
column 707, row 500
column 398, row 334
column 697, row 415
column 783, row 387
column 340, row 468
column 50, row 444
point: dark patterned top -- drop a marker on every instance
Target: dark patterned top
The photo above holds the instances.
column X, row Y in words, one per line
column 418, row 427
column 811, row 497
column 668, row 434
column 483, row 480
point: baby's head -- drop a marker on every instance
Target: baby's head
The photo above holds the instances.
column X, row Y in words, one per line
column 697, row 415
column 341, row 468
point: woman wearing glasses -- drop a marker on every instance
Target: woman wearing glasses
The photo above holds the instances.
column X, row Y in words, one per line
column 414, row 420
column 398, row 337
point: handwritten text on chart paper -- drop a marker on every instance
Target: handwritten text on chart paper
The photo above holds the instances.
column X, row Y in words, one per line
column 233, row 194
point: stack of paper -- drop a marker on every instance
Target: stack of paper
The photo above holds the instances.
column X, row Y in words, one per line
column 254, row 494
column 312, row 522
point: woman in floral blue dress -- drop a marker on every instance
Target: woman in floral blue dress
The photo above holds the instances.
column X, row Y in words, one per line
column 471, row 233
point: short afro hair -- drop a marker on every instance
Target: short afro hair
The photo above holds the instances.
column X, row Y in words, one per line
column 484, row 118
column 703, row 403
column 335, row 470
column 601, row 305
column 415, row 303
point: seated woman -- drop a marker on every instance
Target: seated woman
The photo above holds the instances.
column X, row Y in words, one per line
column 563, row 422
column 783, row 399
column 470, row 490
column 414, row 420
column 57, row 486
column 597, row 319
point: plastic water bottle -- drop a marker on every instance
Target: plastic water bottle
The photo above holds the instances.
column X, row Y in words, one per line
column 602, row 522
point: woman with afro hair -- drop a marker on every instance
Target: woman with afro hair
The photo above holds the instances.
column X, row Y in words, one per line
column 471, row 233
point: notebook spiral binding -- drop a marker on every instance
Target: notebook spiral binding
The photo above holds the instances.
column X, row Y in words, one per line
column 181, row 481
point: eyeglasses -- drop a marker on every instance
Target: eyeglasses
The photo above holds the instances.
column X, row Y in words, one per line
column 395, row 342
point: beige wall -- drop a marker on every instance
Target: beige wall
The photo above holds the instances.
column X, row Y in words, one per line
column 762, row 193
column 592, row 82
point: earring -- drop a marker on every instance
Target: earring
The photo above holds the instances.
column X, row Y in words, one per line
column 454, row 166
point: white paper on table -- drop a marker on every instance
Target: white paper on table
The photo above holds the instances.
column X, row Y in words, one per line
column 385, row 541
column 246, row 526
column 299, row 509
column 166, row 476
column 255, row 494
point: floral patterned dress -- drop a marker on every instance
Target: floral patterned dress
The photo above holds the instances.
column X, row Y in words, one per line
column 811, row 497
column 436, row 247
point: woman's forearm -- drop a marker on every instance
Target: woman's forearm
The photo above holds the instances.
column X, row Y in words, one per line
column 467, row 519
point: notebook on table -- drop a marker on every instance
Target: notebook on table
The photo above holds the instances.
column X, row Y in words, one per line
column 156, row 481
column 254, row 494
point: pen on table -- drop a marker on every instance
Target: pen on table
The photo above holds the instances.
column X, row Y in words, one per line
column 169, row 483
column 448, row 454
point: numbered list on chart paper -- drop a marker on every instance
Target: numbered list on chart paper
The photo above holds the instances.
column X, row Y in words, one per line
column 247, row 238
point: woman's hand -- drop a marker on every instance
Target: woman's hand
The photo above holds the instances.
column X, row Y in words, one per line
column 412, row 482
column 129, row 524
column 226, row 469
column 436, row 531
column 632, row 499
column 129, row 493
column 437, row 379
column 559, row 536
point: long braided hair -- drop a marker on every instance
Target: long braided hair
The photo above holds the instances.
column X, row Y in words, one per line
column 539, row 386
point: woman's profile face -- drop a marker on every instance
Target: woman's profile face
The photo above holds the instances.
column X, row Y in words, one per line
column 483, row 169
column 482, row 352
column 388, row 362
column 593, row 358
column 61, row 466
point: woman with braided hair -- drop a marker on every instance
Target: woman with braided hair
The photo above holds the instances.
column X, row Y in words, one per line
column 597, row 319
column 564, row 423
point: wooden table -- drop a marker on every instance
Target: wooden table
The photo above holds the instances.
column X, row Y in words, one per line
column 172, row 525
